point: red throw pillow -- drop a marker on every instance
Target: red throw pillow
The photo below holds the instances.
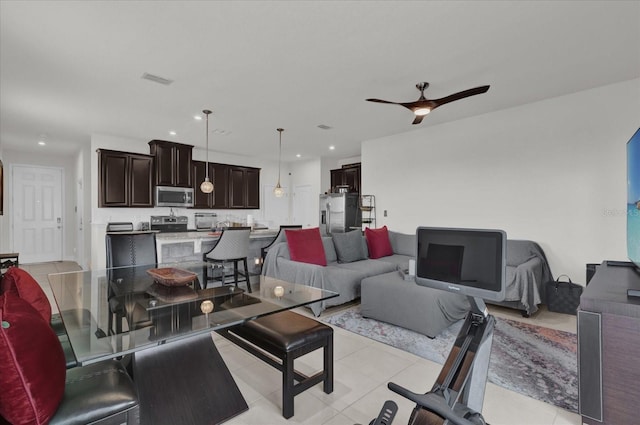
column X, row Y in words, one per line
column 378, row 242
column 20, row 283
column 305, row 246
column 32, row 364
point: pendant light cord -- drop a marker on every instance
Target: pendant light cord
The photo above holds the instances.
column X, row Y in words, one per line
column 280, row 130
column 206, row 167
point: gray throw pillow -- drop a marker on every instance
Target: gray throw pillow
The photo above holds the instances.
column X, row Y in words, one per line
column 349, row 246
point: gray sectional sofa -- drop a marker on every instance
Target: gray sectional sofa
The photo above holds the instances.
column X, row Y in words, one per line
column 384, row 293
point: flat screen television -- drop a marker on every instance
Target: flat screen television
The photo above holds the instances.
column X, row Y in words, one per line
column 469, row 262
column 633, row 198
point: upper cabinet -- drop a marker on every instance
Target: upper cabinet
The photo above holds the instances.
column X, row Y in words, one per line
column 244, row 187
column 124, row 179
column 348, row 175
column 172, row 163
column 219, row 176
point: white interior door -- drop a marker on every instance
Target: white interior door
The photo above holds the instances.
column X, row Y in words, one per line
column 303, row 207
column 276, row 210
column 37, row 213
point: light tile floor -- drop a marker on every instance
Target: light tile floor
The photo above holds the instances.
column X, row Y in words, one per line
column 362, row 368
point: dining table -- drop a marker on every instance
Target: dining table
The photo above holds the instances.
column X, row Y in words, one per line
column 158, row 319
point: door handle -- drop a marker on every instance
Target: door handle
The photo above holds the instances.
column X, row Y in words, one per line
column 59, row 221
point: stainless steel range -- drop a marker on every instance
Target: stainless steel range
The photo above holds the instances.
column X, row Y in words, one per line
column 169, row 223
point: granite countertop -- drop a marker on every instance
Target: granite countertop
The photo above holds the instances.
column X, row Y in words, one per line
column 185, row 236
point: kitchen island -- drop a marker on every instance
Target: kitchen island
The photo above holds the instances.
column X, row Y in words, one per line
column 175, row 247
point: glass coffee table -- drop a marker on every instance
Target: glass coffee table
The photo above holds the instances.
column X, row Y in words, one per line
column 166, row 330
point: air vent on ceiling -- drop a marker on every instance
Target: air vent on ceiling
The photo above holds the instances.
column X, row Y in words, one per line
column 156, row 79
column 324, row 127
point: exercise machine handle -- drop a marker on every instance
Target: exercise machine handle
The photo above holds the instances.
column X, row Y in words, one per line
column 432, row 402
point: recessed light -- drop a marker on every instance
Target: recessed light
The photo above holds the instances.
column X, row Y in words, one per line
column 298, row 155
column 41, row 142
column 332, row 147
column 173, row 133
column 197, row 117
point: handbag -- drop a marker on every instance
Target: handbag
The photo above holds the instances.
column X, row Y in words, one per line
column 562, row 296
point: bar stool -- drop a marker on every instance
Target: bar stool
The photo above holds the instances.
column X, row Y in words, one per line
column 232, row 247
column 280, row 237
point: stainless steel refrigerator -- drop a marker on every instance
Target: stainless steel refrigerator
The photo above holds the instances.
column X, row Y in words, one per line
column 339, row 213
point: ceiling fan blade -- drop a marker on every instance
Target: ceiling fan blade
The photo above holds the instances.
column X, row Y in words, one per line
column 460, row 95
column 418, row 119
column 383, row 101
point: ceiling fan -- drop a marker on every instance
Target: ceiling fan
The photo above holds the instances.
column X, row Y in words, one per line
column 423, row 106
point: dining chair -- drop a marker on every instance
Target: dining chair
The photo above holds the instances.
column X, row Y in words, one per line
column 280, row 237
column 128, row 249
column 232, row 247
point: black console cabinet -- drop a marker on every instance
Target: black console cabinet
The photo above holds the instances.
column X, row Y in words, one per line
column 609, row 347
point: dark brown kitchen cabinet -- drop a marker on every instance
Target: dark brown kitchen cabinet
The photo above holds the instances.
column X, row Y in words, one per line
column 124, row 179
column 348, row 175
column 172, row 163
column 244, row 187
column 218, row 174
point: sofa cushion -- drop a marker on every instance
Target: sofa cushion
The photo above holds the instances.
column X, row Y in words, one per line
column 400, row 261
column 305, row 245
column 349, row 246
column 366, row 268
column 378, row 242
column 33, row 364
column 402, row 243
column 329, row 249
column 21, row 284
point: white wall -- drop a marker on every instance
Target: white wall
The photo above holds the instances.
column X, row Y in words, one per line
column 307, row 176
column 553, row 171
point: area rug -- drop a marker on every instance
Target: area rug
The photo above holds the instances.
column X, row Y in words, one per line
column 532, row 360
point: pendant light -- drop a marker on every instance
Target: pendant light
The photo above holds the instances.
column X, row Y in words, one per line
column 206, row 186
column 278, row 191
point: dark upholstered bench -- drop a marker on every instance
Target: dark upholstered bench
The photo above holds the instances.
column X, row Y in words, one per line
column 287, row 336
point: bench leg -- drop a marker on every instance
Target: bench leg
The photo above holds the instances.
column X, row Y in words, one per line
column 288, row 382
column 328, row 366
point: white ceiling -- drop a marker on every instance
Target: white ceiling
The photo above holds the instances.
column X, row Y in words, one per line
column 70, row 69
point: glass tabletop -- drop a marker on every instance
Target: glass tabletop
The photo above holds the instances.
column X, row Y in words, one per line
column 113, row 312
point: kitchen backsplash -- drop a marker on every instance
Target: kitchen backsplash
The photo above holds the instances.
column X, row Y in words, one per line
column 139, row 215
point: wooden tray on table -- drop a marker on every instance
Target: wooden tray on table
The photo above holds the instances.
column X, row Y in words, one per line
column 171, row 276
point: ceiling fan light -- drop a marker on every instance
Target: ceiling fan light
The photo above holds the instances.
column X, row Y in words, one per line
column 278, row 191
column 206, row 186
column 421, row 112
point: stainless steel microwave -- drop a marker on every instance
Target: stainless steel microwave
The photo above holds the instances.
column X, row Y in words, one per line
column 167, row 196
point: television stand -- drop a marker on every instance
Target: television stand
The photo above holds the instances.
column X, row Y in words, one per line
column 609, row 347
column 458, row 394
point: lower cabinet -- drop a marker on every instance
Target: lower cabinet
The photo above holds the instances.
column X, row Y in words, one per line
column 124, row 179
